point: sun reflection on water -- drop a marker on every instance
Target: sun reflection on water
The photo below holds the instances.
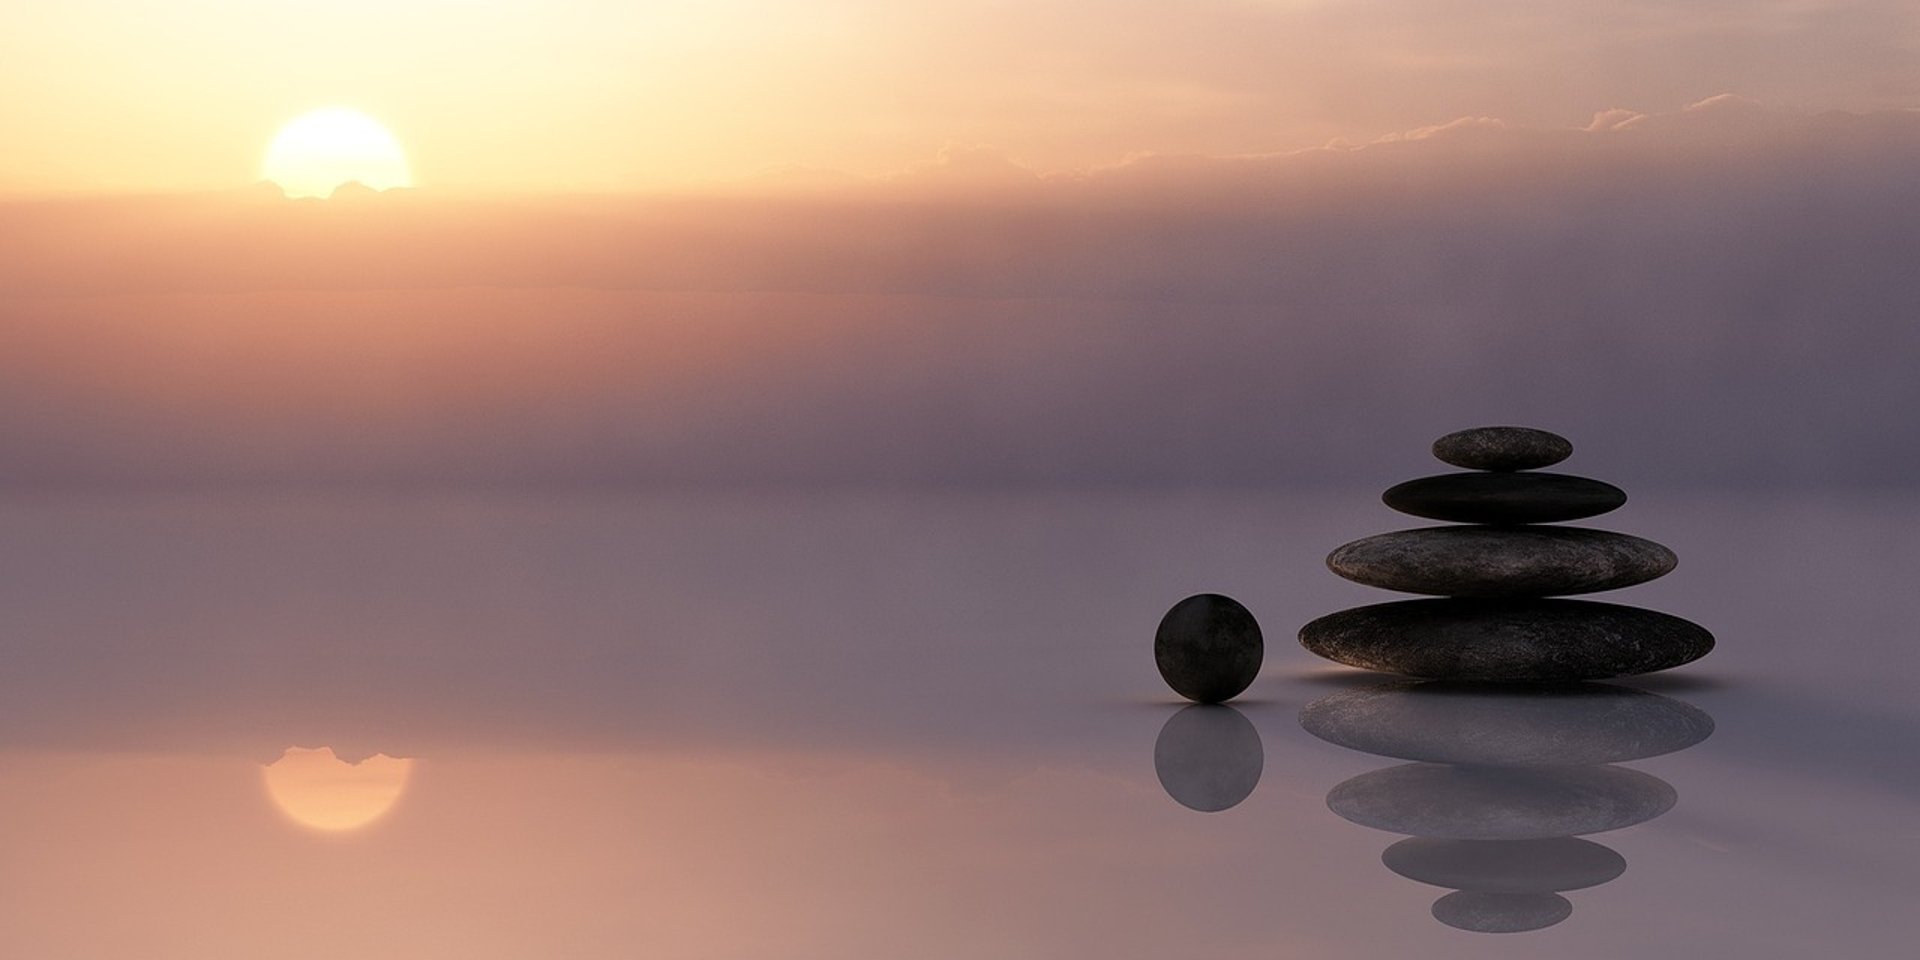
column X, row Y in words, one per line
column 317, row 789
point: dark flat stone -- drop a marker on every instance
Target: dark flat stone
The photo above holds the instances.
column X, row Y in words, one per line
column 1504, row 497
column 1208, row 757
column 1480, row 911
column 1505, row 641
column 1456, row 802
column 1502, row 448
column 1444, row 722
column 1480, row 561
column 1505, row 866
column 1208, row 648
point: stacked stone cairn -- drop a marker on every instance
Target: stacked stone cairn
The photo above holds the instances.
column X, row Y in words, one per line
column 1500, row 574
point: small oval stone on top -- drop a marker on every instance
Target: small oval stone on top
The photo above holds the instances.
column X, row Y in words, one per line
column 1502, row 448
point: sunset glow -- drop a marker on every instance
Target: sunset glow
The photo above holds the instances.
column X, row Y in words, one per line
column 573, row 95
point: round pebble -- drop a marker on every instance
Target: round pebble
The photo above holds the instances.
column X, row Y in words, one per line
column 1208, row 648
column 1502, row 448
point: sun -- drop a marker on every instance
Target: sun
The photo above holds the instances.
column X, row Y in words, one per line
column 319, row 151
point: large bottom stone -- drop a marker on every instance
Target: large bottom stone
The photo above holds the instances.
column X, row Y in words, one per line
column 1506, row 641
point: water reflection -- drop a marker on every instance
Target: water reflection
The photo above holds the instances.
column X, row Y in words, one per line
column 1582, row 723
column 317, row 789
column 1502, row 784
column 1208, row 757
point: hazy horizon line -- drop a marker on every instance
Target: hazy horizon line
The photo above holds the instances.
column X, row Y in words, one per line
column 778, row 178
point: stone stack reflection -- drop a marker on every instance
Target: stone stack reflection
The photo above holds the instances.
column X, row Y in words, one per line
column 1496, row 571
column 1502, row 785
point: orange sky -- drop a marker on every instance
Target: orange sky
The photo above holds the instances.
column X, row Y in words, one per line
column 587, row 94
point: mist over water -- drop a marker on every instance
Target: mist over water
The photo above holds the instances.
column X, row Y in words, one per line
column 1715, row 296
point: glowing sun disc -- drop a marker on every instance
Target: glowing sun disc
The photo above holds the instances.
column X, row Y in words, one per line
column 319, row 151
column 322, row 791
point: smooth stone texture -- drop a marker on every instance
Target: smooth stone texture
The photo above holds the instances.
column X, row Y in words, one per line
column 1455, row 802
column 1502, row 448
column 1479, row 911
column 1208, row 648
column 1504, row 497
column 1505, row 866
column 1506, row 641
column 1208, row 757
column 1446, row 722
column 1501, row 561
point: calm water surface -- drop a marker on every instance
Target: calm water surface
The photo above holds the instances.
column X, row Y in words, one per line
column 893, row 725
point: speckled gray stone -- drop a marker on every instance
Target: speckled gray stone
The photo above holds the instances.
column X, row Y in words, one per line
column 1504, row 497
column 1506, row 641
column 1502, row 448
column 1443, row 722
column 1208, row 648
column 1479, row 911
column 1208, row 757
column 1505, row 866
column 1482, row 561
column 1458, row 802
